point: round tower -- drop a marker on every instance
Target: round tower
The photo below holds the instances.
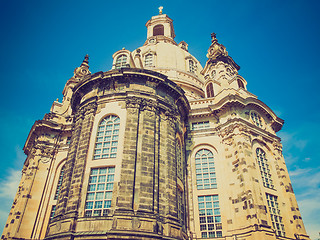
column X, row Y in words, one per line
column 125, row 172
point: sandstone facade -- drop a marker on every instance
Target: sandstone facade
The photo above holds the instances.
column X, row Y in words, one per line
column 156, row 148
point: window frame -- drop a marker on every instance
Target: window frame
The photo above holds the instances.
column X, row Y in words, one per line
column 240, row 84
column 60, row 181
column 148, row 60
column 99, row 191
column 209, row 90
column 210, row 217
column 106, row 145
column 192, row 66
column 275, row 214
column 179, row 159
column 264, row 168
column 205, row 170
column 256, row 119
column 180, row 204
column 158, row 30
column 200, row 125
column 121, row 61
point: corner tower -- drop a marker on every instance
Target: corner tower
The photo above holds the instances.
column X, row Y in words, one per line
column 239, row 187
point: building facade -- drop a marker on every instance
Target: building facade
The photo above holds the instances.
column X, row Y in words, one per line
column 156, row 148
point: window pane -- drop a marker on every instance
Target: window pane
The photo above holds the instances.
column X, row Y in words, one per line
column 209, row 210
column 109, row 128
column 59, row 183
column 205, row 175
column 100, row 192
column 264, row 168
column 275, row 216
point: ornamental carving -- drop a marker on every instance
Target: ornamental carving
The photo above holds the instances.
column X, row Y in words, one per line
column 149, row 105
column 228, row 141
column 133, row 102
column 44, row 151
column 171, row 117
column 83, row 70
column 88, row 109
column 135, row 223
column 278, row 147
column 132, row 111
column 49, row 116
column 230, row 130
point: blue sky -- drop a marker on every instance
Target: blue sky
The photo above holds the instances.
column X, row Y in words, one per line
column 276, row 43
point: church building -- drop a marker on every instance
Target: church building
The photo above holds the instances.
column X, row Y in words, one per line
column 158, row 147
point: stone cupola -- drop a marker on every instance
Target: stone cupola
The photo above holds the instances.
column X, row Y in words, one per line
column 160, row 28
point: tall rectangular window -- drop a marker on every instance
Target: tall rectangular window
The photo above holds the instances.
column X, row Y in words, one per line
column 99, row 193
column 180, row 204
column 209, row 216
column 53, row 211
column 275, row 215
column 179, row 160
column 59, row 183
column 191, row 66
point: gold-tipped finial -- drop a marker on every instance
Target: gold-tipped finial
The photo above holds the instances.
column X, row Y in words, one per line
column 160, row 10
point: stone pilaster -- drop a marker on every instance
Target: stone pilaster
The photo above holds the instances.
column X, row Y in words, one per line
column 128, row 169
column 70, row 194
column 69, row 165
column 247, row 197
column 74, row 196
column 144, row 187
column 168, row 172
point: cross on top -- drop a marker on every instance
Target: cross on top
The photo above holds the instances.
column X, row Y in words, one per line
column 160, row 10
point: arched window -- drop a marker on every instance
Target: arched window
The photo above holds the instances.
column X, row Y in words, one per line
column 179, row 160
column 210, row 92
column 107, row 138
column 121, row 61
column 191, row 66
column 240, row 84
column 148, row 60
column 264, row 168
column 205, row 170
column 56, row 195
column 158, row 30
column 256, row 119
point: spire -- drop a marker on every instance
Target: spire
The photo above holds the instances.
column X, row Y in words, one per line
column 83, row 70
column 85, row 61
column 217, row 52
column 214, row 37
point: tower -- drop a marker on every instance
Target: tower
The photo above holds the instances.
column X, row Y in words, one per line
column 157, row 147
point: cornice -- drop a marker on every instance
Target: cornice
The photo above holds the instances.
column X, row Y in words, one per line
column 43, row 125
column 236, row 100
column 229, row 126
column 109, row 81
